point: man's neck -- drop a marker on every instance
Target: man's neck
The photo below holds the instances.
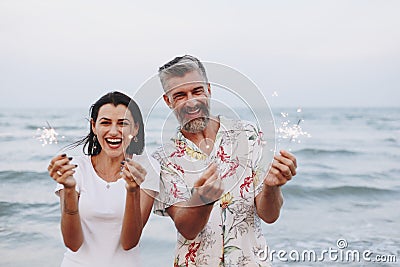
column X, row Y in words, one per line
column 204, row 139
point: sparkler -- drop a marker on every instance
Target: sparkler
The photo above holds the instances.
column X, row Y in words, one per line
column 47, row 135
column 289, row 130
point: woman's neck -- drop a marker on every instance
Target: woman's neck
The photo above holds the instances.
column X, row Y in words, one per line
column 107, row 168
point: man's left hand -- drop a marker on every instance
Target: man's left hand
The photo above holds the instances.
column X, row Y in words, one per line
column 282, row 170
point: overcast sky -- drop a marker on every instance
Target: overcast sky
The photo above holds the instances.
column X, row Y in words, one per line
column 312, row 53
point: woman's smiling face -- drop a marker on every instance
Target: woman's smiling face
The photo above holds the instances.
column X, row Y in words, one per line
column 114, row 129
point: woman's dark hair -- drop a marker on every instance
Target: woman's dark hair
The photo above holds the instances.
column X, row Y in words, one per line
column 91, row 145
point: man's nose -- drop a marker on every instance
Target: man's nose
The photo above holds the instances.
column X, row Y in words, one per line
column 191, row 102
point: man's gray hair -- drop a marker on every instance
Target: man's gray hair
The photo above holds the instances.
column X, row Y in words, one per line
column 178, row 67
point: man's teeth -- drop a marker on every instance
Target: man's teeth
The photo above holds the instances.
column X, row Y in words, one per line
column 193, row 111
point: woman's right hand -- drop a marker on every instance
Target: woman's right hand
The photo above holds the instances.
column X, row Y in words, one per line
column 62, row 171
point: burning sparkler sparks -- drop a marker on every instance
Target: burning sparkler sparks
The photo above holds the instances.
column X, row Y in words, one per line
column 291, row 130
column 47, row 135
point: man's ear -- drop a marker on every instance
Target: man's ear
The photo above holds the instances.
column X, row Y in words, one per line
column 166, row 100
column 209, row 88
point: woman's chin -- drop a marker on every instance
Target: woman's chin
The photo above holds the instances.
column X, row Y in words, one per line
column 114, row 152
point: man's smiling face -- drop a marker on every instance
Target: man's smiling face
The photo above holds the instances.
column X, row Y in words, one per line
column 189, row 97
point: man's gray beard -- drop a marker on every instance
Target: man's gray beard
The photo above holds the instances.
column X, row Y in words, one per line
column 196, row 125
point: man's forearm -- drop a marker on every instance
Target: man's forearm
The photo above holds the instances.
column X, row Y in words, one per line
column 190, row 217
column 269, row 203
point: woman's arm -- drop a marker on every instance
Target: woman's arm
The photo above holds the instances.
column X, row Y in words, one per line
column 139, row 203
column 137, row 211
column 132, row 224
column 62, row 172
column 71, row 227
column 146, row 202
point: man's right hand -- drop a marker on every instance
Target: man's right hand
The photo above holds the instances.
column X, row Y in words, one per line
column 191, row 216
column 208, row 188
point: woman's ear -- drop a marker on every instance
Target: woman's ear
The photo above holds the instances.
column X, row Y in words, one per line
column 135, row 129
column 93, row 125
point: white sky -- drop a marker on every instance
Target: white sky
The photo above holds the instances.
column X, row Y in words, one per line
column 312, row 53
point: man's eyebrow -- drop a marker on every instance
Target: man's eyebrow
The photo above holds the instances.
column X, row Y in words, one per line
column 198, row 87
column 178, row 93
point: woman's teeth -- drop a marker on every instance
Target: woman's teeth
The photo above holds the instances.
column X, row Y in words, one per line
column 113, row 141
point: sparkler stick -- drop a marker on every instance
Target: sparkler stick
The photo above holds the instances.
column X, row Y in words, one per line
column 296, row 126
column 290, row 131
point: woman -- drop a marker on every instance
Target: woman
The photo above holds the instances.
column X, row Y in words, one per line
column 106, row 196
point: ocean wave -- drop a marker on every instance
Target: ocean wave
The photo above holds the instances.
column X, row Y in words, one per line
column 57, row 128
column 45, row 158
column 354, row 116
column 28, row 209
column 152, row 146
column 339, row 191
column 8, row 137
column 320, row 174
column 322, row 166
column 21, row 176
column 5, row 124
column 14, row 237
column 390, row 140
column 384, row 124
column 336, row 174
column 326, row 152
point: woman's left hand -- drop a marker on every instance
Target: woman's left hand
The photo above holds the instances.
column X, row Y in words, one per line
column 134, row 174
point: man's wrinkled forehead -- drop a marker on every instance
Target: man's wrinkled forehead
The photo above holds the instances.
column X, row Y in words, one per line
column 190, row 79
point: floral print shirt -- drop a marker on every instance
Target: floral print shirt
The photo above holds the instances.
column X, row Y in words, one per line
column 233, row 234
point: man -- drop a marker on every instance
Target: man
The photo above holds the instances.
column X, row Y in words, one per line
column 210, row 176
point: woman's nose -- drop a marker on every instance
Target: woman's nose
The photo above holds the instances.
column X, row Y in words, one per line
column 114, row 129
